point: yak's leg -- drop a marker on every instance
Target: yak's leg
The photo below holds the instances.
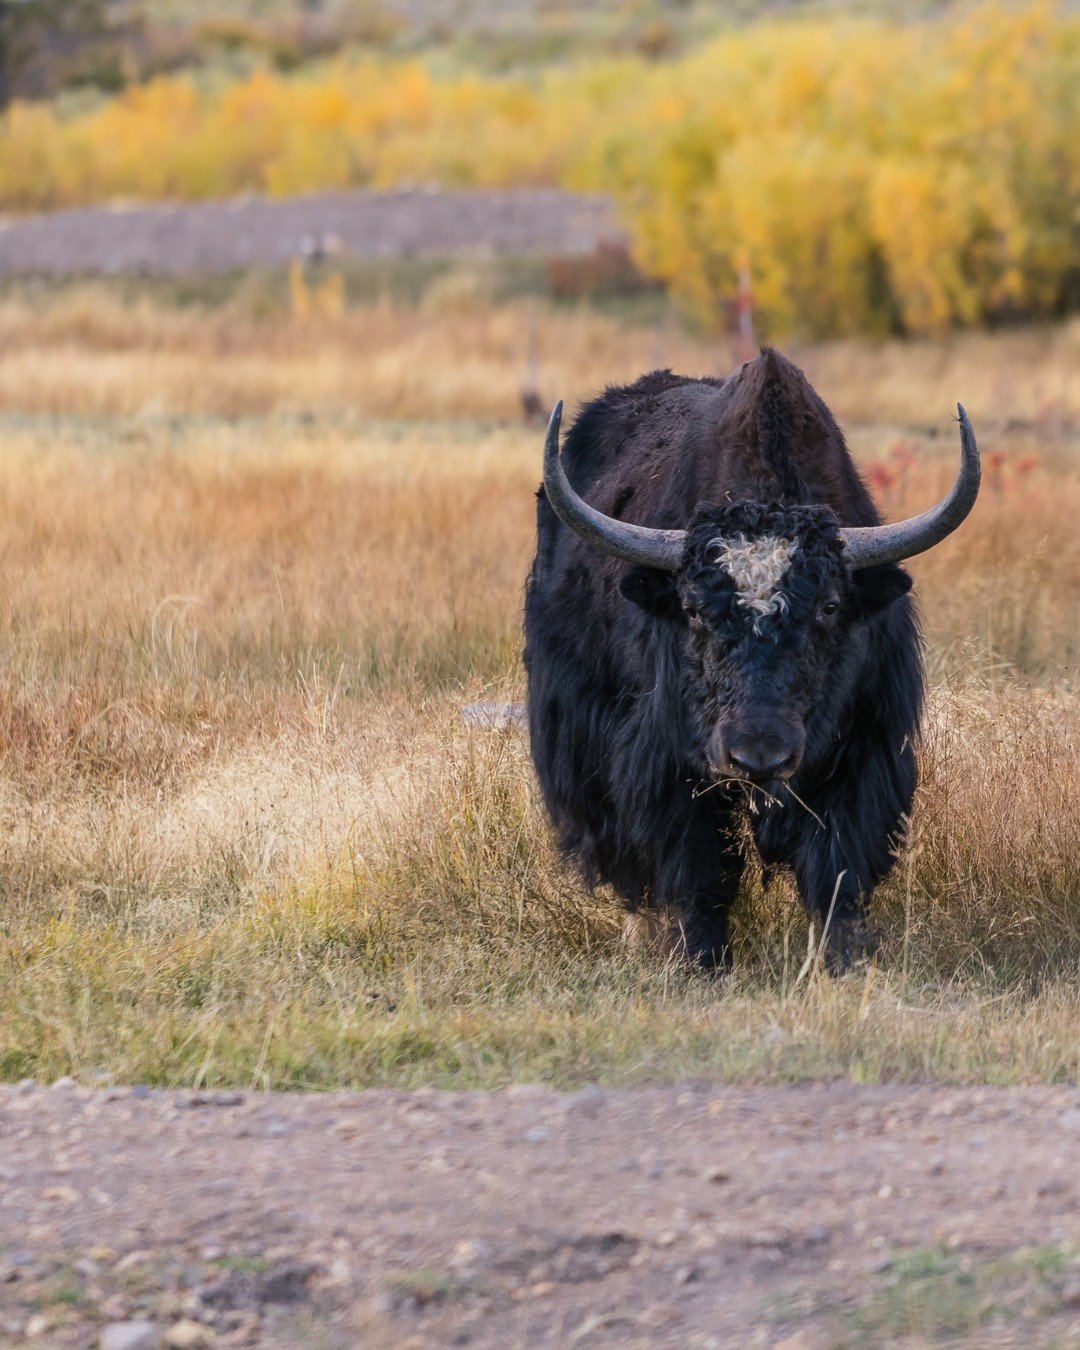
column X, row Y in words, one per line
column 703, row 922
column 839, row 859
column 844, row 844
column 703, row 884
column 837, row 899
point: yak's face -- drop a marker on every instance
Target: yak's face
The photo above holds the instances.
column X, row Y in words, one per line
column 774, row 631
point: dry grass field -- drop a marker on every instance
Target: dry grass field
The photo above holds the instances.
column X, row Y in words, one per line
column 252, row 570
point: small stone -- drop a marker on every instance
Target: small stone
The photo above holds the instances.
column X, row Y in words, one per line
column 885, row 1192
column 62, row 1084
column 471, row 1252
column 131, row 1260
column 1070, row 1293
column 63, row 1194
column 536, row 1135
column 525, row 1091
column 14, row 1266
column 587, row 1103
column 287, row 1282
column 25, row 1085
column 339, row 1274
column 233, row 1289
column 211, row 1251
column 493, row 716
column 686, row 1274
column 1054, row 1186
column 38, row 1325
column 136, row 1335
column 717, row 1175
column 541, row 1288
column 245, row 1330
column 187, row 1334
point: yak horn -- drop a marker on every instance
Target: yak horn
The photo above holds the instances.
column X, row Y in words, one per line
column 873, row 545
column 866, row 546
column 661, row 549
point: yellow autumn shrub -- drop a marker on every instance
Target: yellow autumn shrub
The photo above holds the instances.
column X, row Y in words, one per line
column 877, row 175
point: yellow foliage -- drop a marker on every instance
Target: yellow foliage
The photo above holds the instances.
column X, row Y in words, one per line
column 878, row 176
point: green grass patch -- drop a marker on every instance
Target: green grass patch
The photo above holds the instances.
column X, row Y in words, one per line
column 938, row 1296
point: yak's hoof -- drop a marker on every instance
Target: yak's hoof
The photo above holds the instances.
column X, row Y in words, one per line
column 851, row 945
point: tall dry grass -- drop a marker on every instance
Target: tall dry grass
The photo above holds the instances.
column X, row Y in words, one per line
column 86, row 349
column 246, row 837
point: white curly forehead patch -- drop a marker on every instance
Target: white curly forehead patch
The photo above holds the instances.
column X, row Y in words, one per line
column 757, row 567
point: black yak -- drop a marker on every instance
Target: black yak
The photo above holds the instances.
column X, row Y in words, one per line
column 723, row 633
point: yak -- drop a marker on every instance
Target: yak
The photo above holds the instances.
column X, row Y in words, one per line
column 721, row 651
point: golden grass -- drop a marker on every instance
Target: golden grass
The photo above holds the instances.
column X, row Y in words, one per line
column 82, row 349
column 246, row 837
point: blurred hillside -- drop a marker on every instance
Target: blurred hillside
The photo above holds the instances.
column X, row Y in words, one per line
column 61, row 46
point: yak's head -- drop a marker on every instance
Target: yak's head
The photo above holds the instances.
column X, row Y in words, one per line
column 774, row 623
column 774, row 600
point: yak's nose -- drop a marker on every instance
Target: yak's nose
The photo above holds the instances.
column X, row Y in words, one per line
column 763, row 759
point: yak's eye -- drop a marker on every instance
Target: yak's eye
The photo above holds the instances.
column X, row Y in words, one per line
column 693, row 616
column 828, row 609
column 714, row 551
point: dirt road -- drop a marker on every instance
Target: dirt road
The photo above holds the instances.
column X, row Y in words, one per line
column 695, row 1215
column 181, row 238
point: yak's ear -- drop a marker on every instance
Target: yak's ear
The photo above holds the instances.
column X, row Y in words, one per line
column 877, row 587
column 655, row 592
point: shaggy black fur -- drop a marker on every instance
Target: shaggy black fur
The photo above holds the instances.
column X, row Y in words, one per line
column 638, row 679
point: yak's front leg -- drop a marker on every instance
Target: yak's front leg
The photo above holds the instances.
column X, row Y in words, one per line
column 844, row 845
column 704, row 923
column 704, row 889
column 838, row 867
column 836, row 899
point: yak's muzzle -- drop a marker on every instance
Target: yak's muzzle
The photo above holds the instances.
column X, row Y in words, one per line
column 761, row 754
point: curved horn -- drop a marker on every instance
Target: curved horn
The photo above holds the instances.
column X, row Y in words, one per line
column 661, row 549
column 872, row 545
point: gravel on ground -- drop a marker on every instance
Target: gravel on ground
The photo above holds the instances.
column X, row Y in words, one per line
column 689, row 1215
